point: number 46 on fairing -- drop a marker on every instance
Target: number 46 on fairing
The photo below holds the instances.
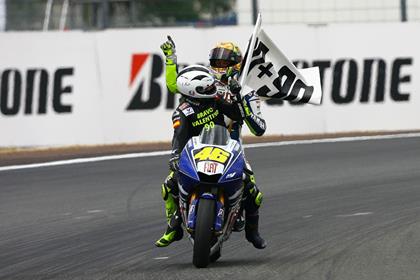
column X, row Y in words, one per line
column 213, row 154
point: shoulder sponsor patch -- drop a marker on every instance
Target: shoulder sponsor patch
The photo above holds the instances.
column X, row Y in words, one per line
column 183, row 106
column 188, row 111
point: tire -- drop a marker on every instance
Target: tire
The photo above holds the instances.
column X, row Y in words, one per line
column 203, row 232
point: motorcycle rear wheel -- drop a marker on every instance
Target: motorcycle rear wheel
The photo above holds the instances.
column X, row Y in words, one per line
column 203, row 232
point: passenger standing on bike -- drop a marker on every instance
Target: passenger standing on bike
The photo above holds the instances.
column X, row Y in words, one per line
column 225, row 59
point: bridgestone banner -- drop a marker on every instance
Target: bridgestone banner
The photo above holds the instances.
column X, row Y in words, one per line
column 79, row 88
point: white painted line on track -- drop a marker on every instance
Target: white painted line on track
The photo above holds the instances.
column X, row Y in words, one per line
column 83, row 217
column 355, row 214
column 83, row 160
column 161, row 258
column 248, row 146
column 95, row 211
column 333, row 140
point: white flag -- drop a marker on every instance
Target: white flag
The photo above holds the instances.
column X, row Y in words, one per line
column 272, row 75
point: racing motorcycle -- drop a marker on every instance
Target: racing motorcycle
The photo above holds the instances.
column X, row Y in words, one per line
column 211, row 188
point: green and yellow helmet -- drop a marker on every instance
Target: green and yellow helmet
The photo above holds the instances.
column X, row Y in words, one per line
column 225, row 58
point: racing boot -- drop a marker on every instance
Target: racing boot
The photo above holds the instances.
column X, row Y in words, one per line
column 252, row 204
column 173, row 232
column 251, row 231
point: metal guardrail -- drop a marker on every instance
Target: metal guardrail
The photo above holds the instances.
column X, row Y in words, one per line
column 101, row 14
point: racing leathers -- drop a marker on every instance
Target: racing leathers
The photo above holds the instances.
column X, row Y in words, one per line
column 250, row 103
column 188, row 120
column 191, row 116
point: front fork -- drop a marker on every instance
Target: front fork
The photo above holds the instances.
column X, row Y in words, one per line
column 221, row 226
column 189, row 217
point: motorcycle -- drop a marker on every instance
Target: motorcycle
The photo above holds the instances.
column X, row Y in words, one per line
column 210, row 186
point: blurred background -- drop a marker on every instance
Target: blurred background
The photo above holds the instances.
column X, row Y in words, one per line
column 100, row 14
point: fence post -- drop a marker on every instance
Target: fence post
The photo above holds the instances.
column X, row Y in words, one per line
column 254, row 11
column 47, row 17
column 403, row 10
column 63, row 17
column 105, row 14
column 3, row 16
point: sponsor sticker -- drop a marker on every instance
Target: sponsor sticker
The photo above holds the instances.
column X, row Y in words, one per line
column 188, row 111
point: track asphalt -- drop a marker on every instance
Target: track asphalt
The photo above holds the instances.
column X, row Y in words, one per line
column 347, row 210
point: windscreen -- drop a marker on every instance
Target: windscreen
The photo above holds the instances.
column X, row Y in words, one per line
column 217, row 135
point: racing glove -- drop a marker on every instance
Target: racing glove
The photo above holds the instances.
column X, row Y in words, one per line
column 174, row 163
column 235, row 88
column 169, row 51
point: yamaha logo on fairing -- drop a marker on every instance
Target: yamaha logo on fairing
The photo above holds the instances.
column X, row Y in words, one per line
column 28, row 92
column 230, row 175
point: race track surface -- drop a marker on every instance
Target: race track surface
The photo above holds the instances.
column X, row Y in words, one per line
column 347, row 210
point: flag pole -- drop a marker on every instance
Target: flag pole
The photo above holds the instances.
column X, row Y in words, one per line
column 250, row 49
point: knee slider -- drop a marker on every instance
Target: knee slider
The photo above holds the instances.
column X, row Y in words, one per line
column 259, row 198
column 249, row 178
column 165, row 192
column 252, row 179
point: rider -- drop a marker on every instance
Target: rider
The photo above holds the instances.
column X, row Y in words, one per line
column 225, row 59
column 199, row 108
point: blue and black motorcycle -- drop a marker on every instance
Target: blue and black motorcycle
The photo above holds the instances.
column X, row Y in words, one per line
column 210, row 187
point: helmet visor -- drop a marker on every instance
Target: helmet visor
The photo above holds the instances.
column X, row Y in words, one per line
column 222, row 58
column 220, row 63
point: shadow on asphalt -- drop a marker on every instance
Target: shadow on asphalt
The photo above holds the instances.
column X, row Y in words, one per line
column 223, row 263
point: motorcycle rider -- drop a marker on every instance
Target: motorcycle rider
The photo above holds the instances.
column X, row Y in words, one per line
column 225, row 59
column 199, row 108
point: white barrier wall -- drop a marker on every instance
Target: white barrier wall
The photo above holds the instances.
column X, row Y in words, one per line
column 109, row 87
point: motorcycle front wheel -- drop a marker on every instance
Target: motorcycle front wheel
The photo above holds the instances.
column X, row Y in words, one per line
column 203, row 232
